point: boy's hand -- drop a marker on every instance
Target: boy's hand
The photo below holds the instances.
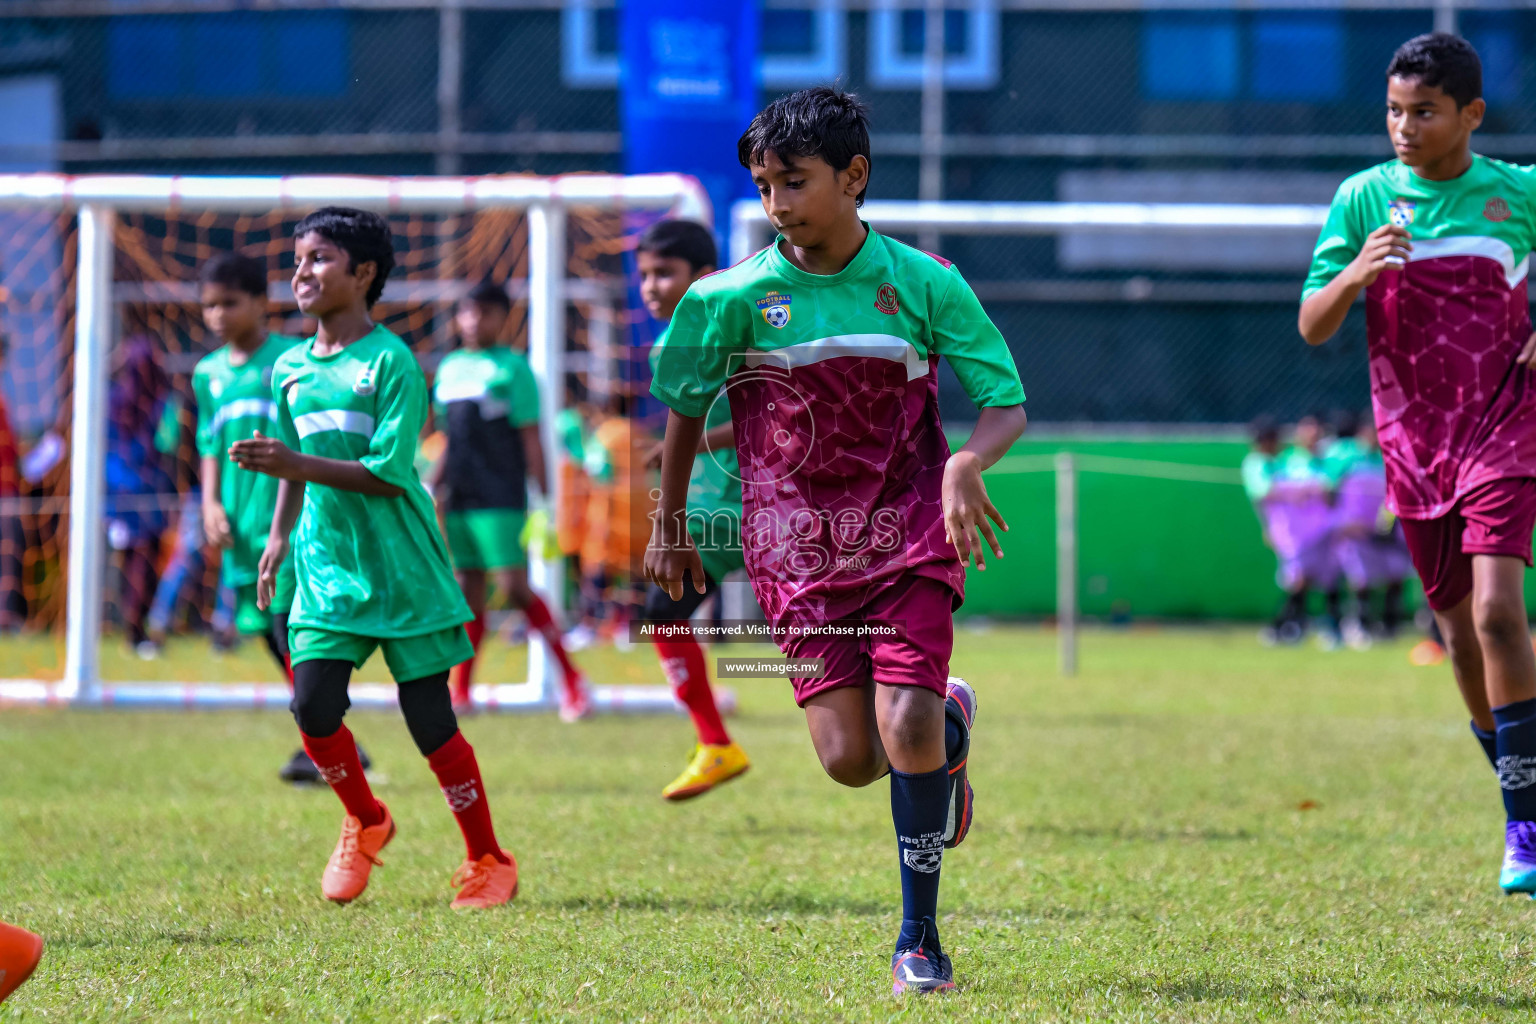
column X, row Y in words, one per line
column 967, row 508
column 216, row 525
column 667, row 557
column 272, row 557
column 265, row 455
column 1527, row 357
column 1386, row 248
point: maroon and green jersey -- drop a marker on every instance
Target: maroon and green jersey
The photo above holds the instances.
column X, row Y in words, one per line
column 1453, row 409
column 832, row 381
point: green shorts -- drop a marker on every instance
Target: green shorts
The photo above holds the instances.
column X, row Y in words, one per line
column 409, row 657
column 249, row 618
column 487, row 538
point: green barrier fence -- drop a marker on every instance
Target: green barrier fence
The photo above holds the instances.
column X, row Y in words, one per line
column 1164, row 530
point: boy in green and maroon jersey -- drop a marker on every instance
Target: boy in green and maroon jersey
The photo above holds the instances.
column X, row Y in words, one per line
column 1440, row 240
column 370, row 566
column 855, row 514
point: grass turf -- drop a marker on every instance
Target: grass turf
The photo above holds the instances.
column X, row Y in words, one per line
column 1195, row 829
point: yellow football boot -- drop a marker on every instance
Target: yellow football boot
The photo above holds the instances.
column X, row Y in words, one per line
column 709, row 767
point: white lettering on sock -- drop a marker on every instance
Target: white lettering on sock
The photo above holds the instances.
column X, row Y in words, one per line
column 461, row 796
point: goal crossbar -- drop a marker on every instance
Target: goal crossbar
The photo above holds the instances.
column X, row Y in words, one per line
column 98, row 198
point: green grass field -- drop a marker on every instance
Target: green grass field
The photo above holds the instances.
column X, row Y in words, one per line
column 1194, row 830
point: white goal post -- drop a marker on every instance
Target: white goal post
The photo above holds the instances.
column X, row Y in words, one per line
column 750, row 231
column 98, row 198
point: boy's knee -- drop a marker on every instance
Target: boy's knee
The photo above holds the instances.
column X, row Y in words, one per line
column 320, row 696
column 1500, row 620
column 851, row 764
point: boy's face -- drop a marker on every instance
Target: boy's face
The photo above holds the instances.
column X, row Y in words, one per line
column 231, row 313
column 1424, row 123
column 323, row 282
column 480, row 324
column 1308, row 433
column 664, row 280
column 805, row 198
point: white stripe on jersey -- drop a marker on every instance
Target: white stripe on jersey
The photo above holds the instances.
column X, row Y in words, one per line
column 471, row 390
column 334, row 419
column 863, row 346
column 1473, row 245
column 265, row 408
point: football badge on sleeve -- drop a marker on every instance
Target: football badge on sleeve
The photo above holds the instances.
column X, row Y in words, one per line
column 1400, row 212
column 775, row 308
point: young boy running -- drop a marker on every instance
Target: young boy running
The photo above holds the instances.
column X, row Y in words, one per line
column 856, row 514
column 487, row 401
column 1439, row 240
column 371, row 570
column 671, row 256
column 233, row 386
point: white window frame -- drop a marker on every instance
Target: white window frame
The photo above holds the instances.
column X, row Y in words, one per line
column 583, row 67
column 977, row 67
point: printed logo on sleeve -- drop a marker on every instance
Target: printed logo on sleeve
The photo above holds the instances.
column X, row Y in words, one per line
column 775, row 308
column 1497, row 210
column 885, row 300
column 1400, row 212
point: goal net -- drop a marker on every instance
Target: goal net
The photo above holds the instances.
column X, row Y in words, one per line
column 98, row 304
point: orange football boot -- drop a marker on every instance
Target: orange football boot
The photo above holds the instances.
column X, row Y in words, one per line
column 486, row 882
column 356, row 854
column 20, row 951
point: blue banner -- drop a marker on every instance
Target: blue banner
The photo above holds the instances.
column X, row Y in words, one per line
column 688, row 89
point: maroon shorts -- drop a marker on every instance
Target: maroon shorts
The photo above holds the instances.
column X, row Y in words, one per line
column 1495, row 518
column 921, row 610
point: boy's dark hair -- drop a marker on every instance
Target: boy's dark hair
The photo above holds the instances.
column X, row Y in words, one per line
column 236, row 270
column 1346, row 423
column 363, row 235
column 1264, row 430
column 1441, row 60
column 820, row 122
column 681, row 240
column 489, row 293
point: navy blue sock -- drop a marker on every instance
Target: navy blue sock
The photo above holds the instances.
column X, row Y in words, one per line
column 1517, row 758
column 1490, row 743
column 952, row 738
column 919, row 807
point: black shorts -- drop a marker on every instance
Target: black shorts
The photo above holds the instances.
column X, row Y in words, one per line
column 659, row 606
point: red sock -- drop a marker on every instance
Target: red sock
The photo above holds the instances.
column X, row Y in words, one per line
column 682, row 659
column 336, row 757
column 459, row 775
column 544, row 624
column 464, row 672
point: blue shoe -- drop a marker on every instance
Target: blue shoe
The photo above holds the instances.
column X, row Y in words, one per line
column 922, row 967
column 960, row 705
column 1519, row 871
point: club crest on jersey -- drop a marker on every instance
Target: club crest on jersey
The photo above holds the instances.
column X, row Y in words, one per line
column 885, row 299
column 1400, row 212
column 775, row 308
column 364, row 384
column 1497, row 210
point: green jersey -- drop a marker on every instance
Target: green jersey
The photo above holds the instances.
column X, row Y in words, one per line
column 234, row 401
column 832, row 383
column 484, row 398
column 367, row 565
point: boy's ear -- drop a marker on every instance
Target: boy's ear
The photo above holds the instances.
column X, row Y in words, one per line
column 856, row 175
column 1472, row 114
column 365, row 273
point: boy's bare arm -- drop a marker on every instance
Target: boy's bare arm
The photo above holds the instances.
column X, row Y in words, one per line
column 671, row 551
column 215, row 519
column 272, row 457
column 1323, row 312
column 967, row 508
column 290, row 502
